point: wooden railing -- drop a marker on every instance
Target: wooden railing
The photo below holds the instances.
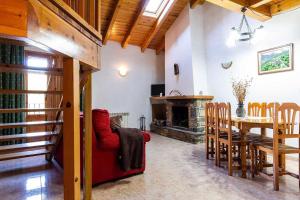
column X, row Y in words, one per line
column 89, row 10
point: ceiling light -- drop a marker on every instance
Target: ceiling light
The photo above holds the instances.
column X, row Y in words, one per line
column 123, row 71
column 243, row 32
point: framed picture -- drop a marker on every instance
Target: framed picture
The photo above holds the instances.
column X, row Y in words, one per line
column 278, row 59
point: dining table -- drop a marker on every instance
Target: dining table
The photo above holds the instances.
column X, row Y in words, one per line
column 245, row 124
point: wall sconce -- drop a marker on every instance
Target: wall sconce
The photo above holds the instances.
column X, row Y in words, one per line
column 123, row 71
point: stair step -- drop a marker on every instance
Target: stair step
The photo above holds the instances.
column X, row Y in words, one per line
column 23, row 154
column 30, row 124
column 16, row 110
column 28, row 69
column 31, row 92
column 23, row 146
column 27, row 136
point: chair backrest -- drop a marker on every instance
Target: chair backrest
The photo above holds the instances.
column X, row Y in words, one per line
column 224, row 119
column 286, row 117
column 210, row 118
column 256, row 109
column 270, row 107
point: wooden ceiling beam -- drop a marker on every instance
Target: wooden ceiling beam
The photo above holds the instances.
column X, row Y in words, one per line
column 195, row 3
column 261, row 13
column 112, row 21
column 137, row 17
column 159, row 22
column 257, row 3
column 284, row 6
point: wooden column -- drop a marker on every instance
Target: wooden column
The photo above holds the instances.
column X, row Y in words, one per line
column 71, row 131
column 87, row 168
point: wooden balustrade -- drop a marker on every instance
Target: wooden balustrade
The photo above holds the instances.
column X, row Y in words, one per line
column 89, row 10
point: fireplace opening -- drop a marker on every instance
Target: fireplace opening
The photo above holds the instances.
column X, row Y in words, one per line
column 180, row 116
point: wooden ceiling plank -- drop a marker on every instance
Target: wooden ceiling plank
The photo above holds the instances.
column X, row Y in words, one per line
column 137, row 17
column 261, row 13
column 284, row 6
column 195, row 3
column 112, row 21
column 159, row 22
column 257, row 3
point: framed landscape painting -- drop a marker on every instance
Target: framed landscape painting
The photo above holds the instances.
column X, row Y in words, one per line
column 277, row 59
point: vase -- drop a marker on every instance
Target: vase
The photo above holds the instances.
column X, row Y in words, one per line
column 240, row 111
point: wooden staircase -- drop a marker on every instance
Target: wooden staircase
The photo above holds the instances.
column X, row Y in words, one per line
column 30, row 144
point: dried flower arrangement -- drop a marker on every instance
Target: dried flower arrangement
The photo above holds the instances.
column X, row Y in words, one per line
column 240, row 89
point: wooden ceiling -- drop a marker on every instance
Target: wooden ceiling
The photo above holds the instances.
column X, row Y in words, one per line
column 123, row 20
column 259, row 9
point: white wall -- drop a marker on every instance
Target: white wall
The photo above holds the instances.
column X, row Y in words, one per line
column 185, row 46
column 280, row 30
column 197, row 20
column 127, row 94
column 178, row 50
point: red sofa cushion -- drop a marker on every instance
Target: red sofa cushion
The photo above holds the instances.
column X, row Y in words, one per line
column 101, row 123
column 109, row 142
column 147, row 136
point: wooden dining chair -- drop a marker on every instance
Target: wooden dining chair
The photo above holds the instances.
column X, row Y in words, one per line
column 256, row 109
column 270, row 107
column 225, row 134
column 259, row 161
column 285, row 117
column 211, row 130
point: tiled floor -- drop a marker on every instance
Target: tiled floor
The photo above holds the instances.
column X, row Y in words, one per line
column 175, row 171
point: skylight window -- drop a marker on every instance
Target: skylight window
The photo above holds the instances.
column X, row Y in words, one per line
column 155, row 7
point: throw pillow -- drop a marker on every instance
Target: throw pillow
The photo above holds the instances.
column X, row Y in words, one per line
column 115, row 122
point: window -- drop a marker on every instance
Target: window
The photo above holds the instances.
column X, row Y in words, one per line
column 36, row 82
column 155, row 7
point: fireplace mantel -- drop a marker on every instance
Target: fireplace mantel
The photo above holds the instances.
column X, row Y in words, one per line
column 183, row 98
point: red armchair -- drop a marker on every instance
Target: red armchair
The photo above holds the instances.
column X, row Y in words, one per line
column 105, row 150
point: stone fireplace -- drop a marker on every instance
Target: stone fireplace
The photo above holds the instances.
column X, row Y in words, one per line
column 184, row 117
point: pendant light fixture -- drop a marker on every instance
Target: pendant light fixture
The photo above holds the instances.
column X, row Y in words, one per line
column 243, row 32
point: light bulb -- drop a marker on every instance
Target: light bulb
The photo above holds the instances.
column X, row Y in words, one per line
column 232, row 39
column 123, row 71
column 258, row 36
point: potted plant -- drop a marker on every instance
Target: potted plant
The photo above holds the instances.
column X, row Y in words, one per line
column 240, row 89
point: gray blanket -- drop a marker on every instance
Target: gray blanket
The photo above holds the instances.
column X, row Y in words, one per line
column 132, row 150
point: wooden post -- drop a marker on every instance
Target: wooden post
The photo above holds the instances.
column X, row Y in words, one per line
column 71, row 128
column 87, row 145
